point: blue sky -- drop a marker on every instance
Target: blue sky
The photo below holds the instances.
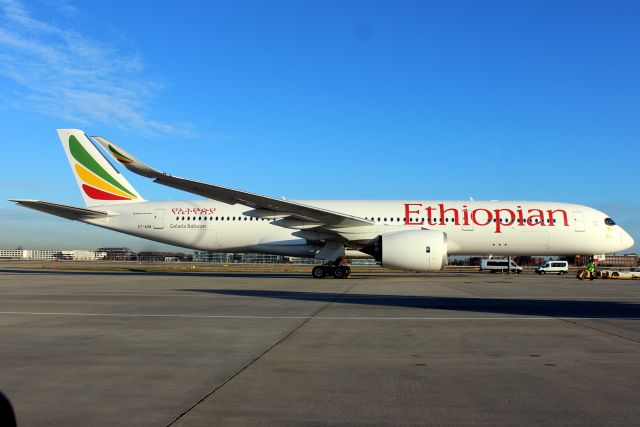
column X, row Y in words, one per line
column 324, row 99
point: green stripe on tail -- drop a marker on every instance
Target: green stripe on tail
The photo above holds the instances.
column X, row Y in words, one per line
column 85, row 159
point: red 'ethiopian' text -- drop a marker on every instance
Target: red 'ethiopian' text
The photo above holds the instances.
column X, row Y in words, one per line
column 500, row 217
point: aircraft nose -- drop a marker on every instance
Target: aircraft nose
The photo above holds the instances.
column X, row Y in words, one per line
column 627, row 240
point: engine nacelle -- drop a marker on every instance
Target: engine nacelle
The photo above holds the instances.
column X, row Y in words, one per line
column 419, row 250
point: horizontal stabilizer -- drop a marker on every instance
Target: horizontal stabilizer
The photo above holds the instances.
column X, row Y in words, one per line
column 64, row 211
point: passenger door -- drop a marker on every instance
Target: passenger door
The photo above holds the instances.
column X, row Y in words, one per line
column 158, row 219
column 578, row 221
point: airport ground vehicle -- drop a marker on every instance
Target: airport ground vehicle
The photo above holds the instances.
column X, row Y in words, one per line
column 499, row 265
column 633, row 273
column 553, row 267
column 586, row 274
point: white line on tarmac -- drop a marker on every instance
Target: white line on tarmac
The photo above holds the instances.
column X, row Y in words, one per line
column 207, row 316
column 293, row 295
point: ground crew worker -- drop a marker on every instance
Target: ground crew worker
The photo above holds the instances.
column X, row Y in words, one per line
column 591, row 268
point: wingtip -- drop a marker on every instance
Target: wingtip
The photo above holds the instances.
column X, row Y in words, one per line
column 22, row 200
column 125, row 158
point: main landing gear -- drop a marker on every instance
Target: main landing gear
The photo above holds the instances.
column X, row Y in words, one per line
column 337, row 271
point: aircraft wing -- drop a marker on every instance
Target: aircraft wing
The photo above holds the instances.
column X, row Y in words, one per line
column 64, row 211
column 281, row 208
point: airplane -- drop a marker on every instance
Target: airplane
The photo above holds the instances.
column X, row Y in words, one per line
column 417, row 235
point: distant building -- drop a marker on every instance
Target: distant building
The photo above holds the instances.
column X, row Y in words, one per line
column 40, row 254
column 302, row 260
column 259, row 258
column 627, row 260
column 164, row 256
column 51, row 254
column 12, row 253
column 210, row 256
column 118, row 254
column 230, row 257
column 82, row 255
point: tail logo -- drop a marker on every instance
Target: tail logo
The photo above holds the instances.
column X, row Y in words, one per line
column 118, row 155
column 97, row 183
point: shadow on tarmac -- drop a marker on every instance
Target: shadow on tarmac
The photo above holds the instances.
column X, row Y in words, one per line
column 510, row 306
column 134, row 272
column 297, row 275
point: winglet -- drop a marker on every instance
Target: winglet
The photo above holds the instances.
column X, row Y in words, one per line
column 126, row 159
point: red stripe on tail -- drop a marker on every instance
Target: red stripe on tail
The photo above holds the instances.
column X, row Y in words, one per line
column 97, row 194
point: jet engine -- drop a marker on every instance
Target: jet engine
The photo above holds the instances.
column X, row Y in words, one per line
column 418, row 250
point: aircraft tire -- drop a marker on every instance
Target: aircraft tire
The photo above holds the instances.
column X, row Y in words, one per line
column 318, row 272
column 340, row 272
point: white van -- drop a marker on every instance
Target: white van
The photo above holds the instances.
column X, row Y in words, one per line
column 501, row 265
column 557, row 267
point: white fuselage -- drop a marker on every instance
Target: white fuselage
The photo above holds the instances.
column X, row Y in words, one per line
column 472, row 227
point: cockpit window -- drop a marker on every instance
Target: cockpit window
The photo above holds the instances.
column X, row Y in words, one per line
column 609, row 221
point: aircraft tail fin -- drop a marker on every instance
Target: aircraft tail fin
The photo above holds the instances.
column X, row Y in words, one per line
column 99, row 181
